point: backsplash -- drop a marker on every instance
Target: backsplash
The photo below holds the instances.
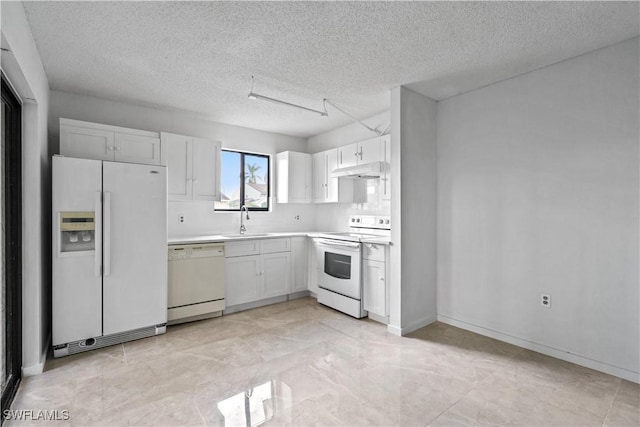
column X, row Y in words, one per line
column 335, row 216
column 200, row 218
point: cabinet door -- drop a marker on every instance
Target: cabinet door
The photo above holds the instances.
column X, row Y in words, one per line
column 136, row 149
column 347, row 156
column 294, row 177
column 299, row 264
column 206, row 169
column 333, row 184
column 338, row 189
column 314, row 255
column 86, row 143
column 243, row 280
column 385, row 181
column 319, row 177
column 299, row 178
column 276, row 274
column 176, row 155
column 369, row 151
column 374, row 282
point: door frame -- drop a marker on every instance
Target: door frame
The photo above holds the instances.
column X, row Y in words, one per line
column 12, row 158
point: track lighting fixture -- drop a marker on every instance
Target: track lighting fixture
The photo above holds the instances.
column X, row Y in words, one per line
column 253, row 95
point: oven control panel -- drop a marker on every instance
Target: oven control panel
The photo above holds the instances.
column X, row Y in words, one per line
column 380, row 222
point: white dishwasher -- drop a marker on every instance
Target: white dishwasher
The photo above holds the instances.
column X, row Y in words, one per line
column 196, row 282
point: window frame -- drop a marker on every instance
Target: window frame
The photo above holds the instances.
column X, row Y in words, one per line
column 243, row 184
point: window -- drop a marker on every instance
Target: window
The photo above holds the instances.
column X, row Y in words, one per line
column 244, row 180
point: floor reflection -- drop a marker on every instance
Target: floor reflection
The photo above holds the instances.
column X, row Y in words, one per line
column 257, row 405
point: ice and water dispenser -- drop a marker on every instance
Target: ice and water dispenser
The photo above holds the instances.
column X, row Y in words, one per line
column 77, row 231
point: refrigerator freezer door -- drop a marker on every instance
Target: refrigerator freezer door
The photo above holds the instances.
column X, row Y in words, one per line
column 77, row 289
column 135, row 289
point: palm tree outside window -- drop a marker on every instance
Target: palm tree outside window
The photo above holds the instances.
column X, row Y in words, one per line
column 244, row 180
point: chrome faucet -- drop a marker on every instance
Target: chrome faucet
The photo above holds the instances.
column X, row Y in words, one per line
column 242, row 227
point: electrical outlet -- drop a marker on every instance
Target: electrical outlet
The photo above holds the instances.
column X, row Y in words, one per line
column 297, row 217
column 545, row 300
column 181, row 218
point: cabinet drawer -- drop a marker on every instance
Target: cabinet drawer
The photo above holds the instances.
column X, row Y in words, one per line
column 373, row 251
column 242, row 248
column 269, row 246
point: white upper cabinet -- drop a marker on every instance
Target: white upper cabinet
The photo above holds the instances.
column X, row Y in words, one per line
column 104, row 142
column 325, row 188
column 206, row 169
column 385, row 176
column 348, row 155
column 176, row 153
column 369, row 151
column 132, row 148
column 294, row 177
column 320, row 177
column 359, row 153
column 193, row 167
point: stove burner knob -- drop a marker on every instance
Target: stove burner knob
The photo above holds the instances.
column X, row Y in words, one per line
column 386, row 221
column 380, row 221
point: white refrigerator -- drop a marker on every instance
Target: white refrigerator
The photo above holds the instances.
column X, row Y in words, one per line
column 109, row 253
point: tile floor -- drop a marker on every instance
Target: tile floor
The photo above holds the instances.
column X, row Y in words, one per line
column 299, row 363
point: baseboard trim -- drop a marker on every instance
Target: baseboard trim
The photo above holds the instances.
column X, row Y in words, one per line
column 254, row 304
column 299, row 294
column 413, row 326
column 544, row 349
column 38, row 368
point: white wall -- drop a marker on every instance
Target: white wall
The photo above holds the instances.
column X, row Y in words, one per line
column 413, row 211
column 24, row 70
column 335, row 216
column 199, row 216
column 538, row 193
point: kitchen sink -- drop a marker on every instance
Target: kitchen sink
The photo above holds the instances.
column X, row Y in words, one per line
column 247, row 235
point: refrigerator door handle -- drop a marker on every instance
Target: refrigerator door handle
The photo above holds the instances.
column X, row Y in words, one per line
column 98, row 234
column 106, row 236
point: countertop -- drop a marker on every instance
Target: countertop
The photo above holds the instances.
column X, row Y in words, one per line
column 221, row 238
column 217, row 238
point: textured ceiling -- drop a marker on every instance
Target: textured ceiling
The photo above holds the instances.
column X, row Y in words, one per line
column 199, row 56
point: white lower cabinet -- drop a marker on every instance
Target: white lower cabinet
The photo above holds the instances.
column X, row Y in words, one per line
column 299, row 264
column 374, row 279
column 275, row 274
column 243, row 279
column 257, row 269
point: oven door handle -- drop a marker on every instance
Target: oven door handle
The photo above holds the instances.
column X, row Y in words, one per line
column 339, row 244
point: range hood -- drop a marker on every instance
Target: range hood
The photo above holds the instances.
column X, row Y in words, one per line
column 364, row 171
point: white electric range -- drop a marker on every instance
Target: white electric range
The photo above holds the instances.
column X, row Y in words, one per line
column 340, row 262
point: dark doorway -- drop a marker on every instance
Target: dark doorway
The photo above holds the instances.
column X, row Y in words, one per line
column 11, row 243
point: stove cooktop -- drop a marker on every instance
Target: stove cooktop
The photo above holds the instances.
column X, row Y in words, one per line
column 350, row 237
column 363, row 228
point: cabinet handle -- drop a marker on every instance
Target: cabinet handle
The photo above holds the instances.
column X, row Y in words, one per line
column 118, row 148
column 341, row 157
column 381, row 279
